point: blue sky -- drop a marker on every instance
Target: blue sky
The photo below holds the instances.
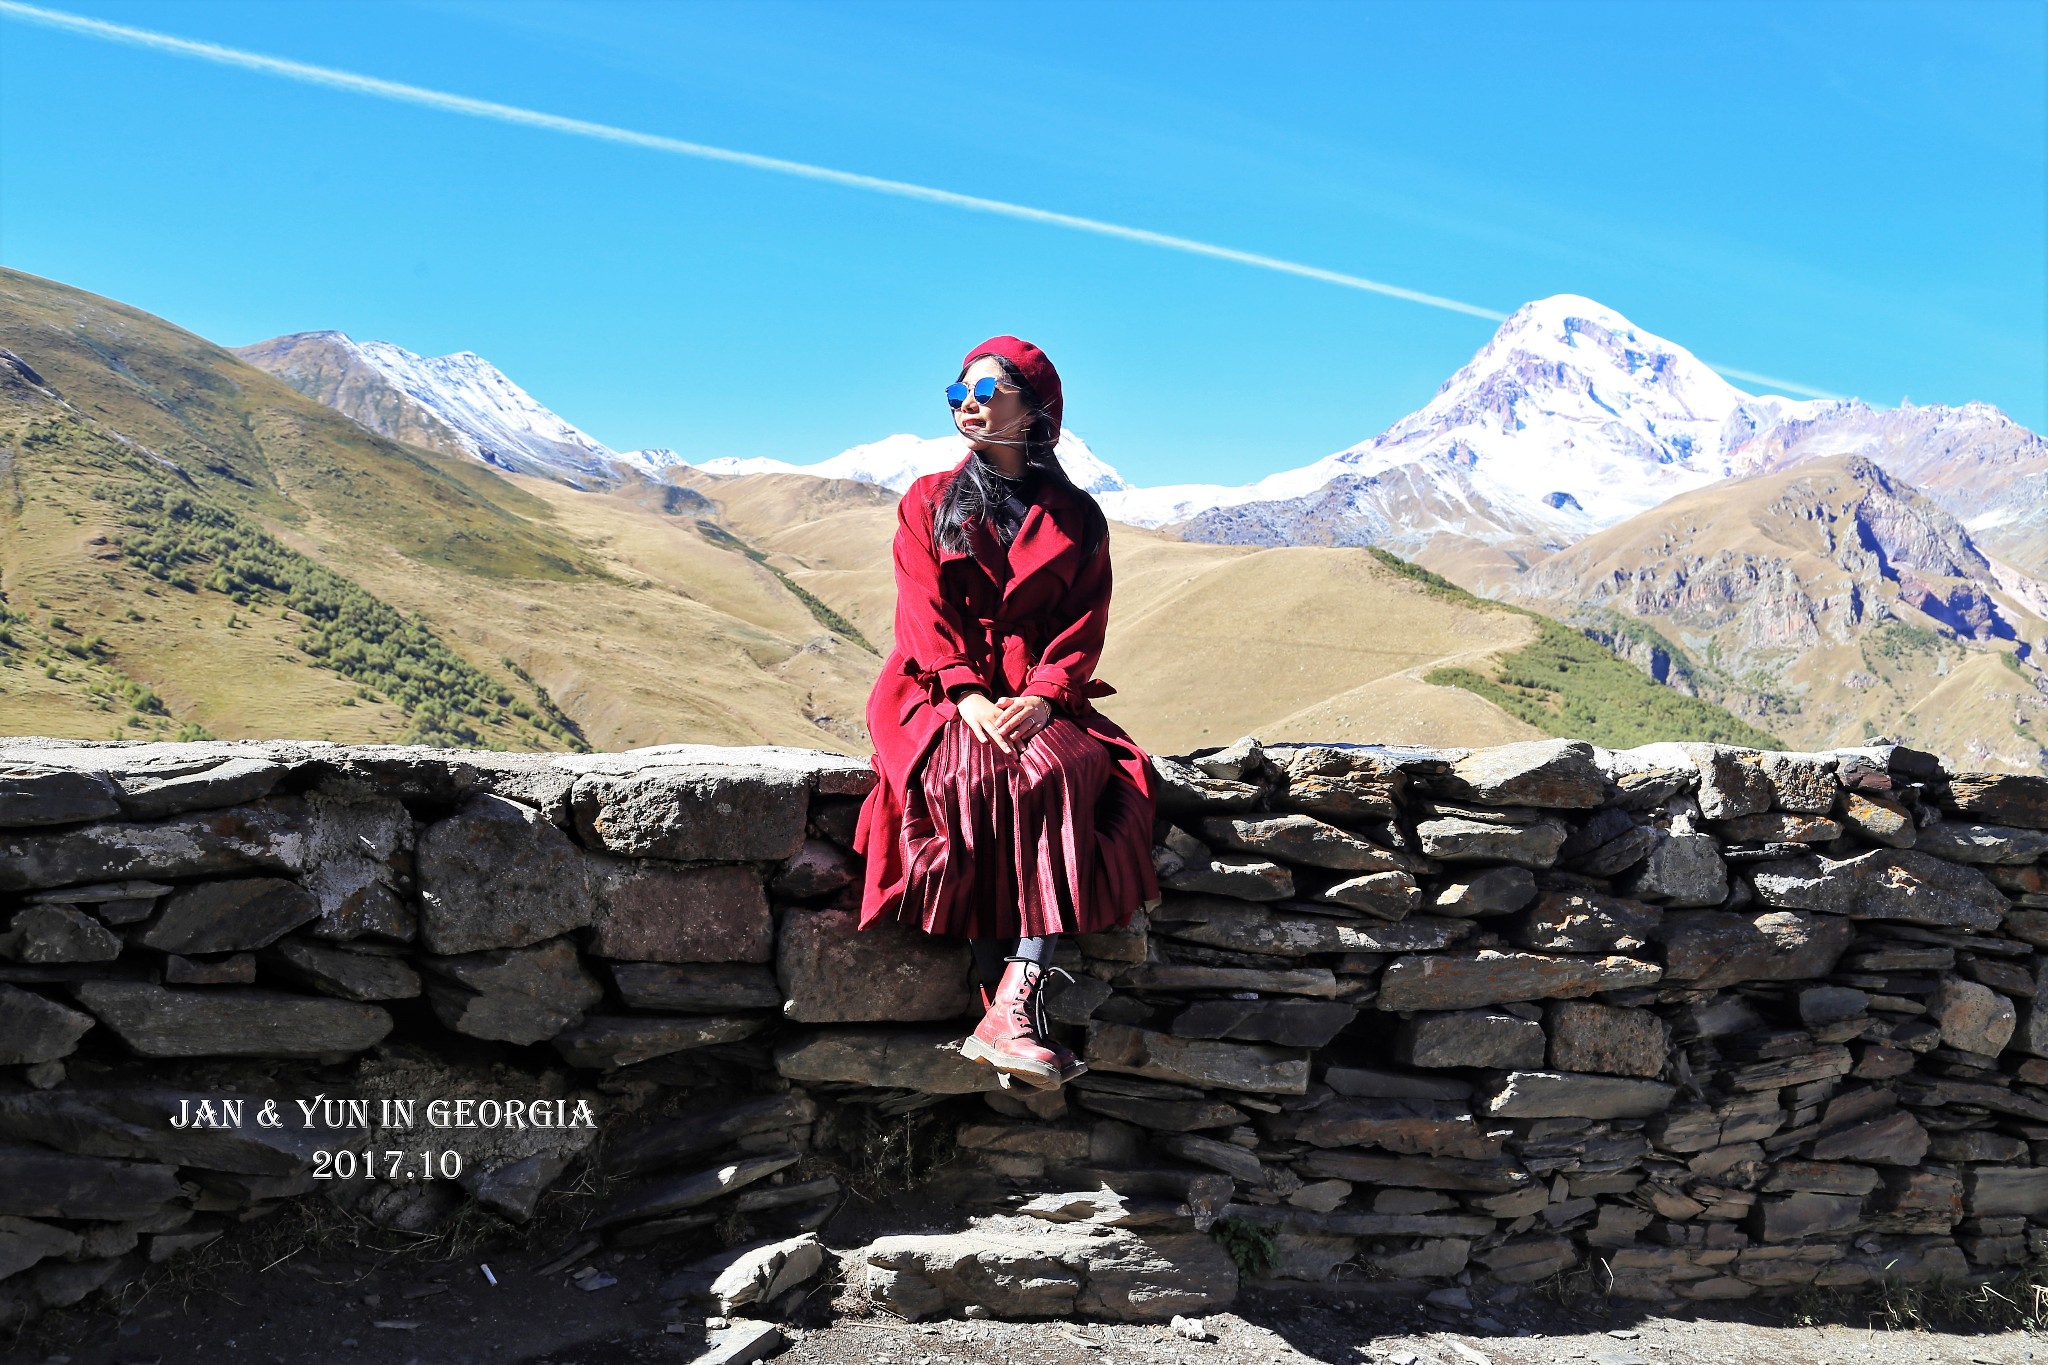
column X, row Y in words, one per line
column 1851, row 196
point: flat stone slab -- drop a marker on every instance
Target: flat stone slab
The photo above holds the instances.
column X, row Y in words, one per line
column 38, row 1183
column 924, row 1060
column 1463, row 980
column 611, row 1041
column 230, row 916
column 1564, row 1094
column 1232, row 1066
column 695, row 988
column 1559, row 774
column 158, row 1022
column 35, row 1028
column 1020, row 1267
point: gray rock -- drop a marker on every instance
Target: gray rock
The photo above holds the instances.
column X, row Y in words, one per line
column 1820, row 1005
column 57, row 933
column 1187, row 790
column 1166, row 1116
column 1779, row 827
column 1389, row 895
column 702, row 812
column 358, row 854
column 1231, row 1066
column 514, row 1188
column 1247, row 876
column 1601, row 1038
column 1682, row 870
column 347, row 973
column 1972, row 1017
column 1234, row 1161
column 1561, row 1094
column 695, row 988
column 1529, row 1260
column 1620, row 853
column 1804, row 784
column 229, row 782
column 242, row 1023
column 1410, row 1172
column 1470, row 1038
column 2006, row 1191
column 31, row 796
column 1179, row 976
column 667, row 1194
column 1586, row 922
column 1412, row 1127
column 1463, row 980
column 1715, row 948
column 1878, row 818
column 34, row 1029
column 497, row 875
column 1304, row 841
column 236, row 969
column 832, row 972
column 1222, row 923
column 269, row 836
column 1960, row 842
column 230, row 916
column 514, row 995
column 692, row 1132
column 819, row 868
column 1908, row 885
column 136, row 1123
column 23, row 1242
column 1459, row 839
column 742, row 1343
column 1896, row 1139
column 1290, row 1023
column 613, row 1041
column 1029, row 1268
column 1496, row 891
column 1558, row 774
column 1792, row 1217
column 924, row 1060
column 765, row 1271
column 1366, row 1082
column 659, row 912
column 38, row 1183
column 2003, row 798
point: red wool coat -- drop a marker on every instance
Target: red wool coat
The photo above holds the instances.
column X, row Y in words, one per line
column 1038, row 632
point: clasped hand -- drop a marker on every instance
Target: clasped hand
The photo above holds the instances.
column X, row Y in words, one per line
column 1002, row 722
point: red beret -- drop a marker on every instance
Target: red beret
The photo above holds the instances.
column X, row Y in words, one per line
column 1032, row 364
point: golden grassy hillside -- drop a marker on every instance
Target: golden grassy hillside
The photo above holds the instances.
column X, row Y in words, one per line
column 163, row 507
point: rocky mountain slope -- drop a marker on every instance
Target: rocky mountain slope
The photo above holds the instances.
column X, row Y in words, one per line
column 1828, row 602
column 459, row 404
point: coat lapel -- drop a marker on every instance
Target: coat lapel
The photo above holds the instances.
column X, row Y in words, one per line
column 1041, row 539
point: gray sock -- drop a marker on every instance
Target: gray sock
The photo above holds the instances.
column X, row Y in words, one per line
column 1039, row 950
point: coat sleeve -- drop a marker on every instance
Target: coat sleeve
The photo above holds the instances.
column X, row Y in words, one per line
column 1065, row 671
column 929, row 628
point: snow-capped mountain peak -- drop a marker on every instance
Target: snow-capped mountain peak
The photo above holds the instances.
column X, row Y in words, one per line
column 460, row 403
column 895, row 462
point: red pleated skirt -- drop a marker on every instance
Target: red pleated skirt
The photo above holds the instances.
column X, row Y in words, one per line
column 1033, row 842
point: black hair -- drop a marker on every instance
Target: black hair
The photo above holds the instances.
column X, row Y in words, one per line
column 978, row 490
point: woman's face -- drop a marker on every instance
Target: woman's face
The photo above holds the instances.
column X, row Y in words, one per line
column 999, row 424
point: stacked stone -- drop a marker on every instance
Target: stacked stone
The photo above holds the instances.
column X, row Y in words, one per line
column 219, row 922
column 1702, row 1022
column 1708, row 1022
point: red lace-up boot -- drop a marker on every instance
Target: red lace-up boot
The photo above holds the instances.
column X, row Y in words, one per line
column 1012, row 1036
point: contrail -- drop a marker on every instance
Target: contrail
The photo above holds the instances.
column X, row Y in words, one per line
column 533, row 118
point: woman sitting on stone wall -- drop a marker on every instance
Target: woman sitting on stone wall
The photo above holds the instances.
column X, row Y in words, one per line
column 1008, row 811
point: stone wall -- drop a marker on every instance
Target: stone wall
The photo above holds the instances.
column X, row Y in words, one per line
column 1702, row 1022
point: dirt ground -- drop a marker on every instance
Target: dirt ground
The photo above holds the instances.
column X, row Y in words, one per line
column 282, row 1293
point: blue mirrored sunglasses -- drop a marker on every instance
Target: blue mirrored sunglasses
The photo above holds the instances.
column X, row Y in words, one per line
column 983, row 389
